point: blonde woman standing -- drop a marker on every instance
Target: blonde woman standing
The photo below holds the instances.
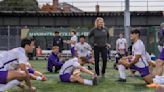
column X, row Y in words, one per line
column 100, row 42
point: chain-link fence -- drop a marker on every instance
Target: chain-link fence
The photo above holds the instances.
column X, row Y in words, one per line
column 10, row 37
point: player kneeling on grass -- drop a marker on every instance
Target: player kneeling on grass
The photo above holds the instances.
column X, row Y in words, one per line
column 90, row 58
column 70, row 72
column 11, row 61
column 53, row 60
column 83, row 49
column 35, row 75
column 137, row 61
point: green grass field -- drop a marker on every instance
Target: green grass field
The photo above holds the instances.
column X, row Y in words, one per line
column 53, row 84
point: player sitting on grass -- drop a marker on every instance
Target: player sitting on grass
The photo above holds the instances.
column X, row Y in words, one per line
column 35, row 75
column 53, row 60
column 11, row 61
column 138, row 59
column 70, row 72
column 83, row 49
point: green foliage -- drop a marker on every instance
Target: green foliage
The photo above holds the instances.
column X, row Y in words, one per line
column 19, row 5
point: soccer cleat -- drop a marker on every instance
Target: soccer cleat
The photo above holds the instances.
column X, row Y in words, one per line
column 124, row 62
column 95, row 80
column 153, row 85
column 89, row 68
column 121, row 80
column 21, row 85
column 44, row 78
column 115, row 66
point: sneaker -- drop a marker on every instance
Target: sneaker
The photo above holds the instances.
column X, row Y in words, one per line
column 56, row 70
column 121, row 80
column 153, row 85
column 44, row 78
column 102, row 75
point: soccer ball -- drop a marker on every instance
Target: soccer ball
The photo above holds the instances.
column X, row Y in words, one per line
column 124, row 62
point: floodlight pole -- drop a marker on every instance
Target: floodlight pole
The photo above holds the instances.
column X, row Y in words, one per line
column 127, row 21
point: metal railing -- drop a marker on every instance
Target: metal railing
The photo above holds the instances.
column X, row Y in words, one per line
column 10, row 36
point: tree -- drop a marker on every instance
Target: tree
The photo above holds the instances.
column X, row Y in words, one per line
column 19, row 5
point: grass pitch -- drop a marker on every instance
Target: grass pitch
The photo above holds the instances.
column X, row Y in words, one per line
column 109, row 84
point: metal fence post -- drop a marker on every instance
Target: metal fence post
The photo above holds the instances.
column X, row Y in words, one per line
column 8, row 37
column 127, row 21
column 17, row 36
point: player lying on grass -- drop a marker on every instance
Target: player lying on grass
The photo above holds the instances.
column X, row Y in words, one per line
column 35, row 75
column 53, row 60
column 138, row 60
column 11, row 61
column 70, row 72
column 83, row 49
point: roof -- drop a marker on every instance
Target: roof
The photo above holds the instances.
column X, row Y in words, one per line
column 73, row 8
